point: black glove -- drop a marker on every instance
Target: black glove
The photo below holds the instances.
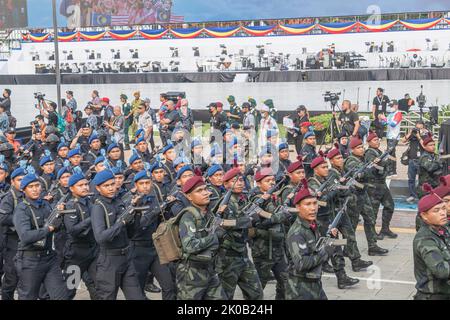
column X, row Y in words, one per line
column 57, row 223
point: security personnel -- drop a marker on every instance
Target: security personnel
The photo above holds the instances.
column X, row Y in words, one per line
column 430, row 167
column 378, row 190
column 8, row 203
column 256, row 113
column 75, row 158
column 197, row 155
column 162, row 189
column 235, row 114
column 115, row 156
column 268, row 247
column 143, row 250
column 99, row 165
column 308, row 152
column 215, row 176
column 63, row 151
column 218, row 119
column 37, row 263
column 361, row 204
column 169, row 156
column 233, row 263
column 284, row 162
column 305, row 266
column 325, row 216
column 179, row 199
column 431, row 250
column 82, row 139
column 121, row 190
column 196, row 277
column 94, row 151
column 336, row 173
column 136, row 166
column 142, row 150
column 80, row 249
column 48, row 173
column 112, row 232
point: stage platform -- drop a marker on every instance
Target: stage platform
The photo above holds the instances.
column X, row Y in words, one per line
column 222, row 77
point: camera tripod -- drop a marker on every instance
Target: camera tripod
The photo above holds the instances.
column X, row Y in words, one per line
column 332, row 129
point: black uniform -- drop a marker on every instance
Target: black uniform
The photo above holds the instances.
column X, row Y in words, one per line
column 36, row 263
column 91, row 156
column 309, row 154
column 114, row 263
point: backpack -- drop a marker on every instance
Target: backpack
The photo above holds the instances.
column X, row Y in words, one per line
column 61, row 124
column 167, row 238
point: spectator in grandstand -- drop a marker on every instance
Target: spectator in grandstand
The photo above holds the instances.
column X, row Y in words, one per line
column 406, row 103
column 5, row 101
column 186, row 115
column 4, row 121
column 116, row 125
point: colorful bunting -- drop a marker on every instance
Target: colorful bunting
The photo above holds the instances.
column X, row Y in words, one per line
column 259, row 31
column 38, row 37
column 92, row 35
column 297, row 28
column 222, row 32
column 337, row 27
column 122, row 34
column 383, row 26
column 153, row 34
column 186, row 33
column 420, row 24
column 67, row 36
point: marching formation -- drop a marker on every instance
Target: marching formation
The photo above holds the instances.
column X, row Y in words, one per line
column 78, row 210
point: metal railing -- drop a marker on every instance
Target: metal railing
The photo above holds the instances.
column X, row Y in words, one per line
column 410, row 119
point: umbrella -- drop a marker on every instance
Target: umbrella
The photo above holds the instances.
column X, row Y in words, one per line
column 413, row 50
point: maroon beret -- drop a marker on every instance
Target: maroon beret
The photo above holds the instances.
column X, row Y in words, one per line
column 354, row 142
column 193, row 183
column 295, row 166
column 334, row 152
column 231, row 174
column 303, row 193
column 443, row 189
column 262, row 173
column 429, row 201
column 372, row 135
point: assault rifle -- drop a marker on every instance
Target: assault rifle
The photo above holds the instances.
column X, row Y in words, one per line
column 56, row 213
column 128, row 215
column 328, row 239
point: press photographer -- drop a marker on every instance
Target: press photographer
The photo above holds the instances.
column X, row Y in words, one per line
column 348, row 120
column 47, row 110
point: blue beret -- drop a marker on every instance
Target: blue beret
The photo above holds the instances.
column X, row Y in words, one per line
column 112, row 146
column 117, row 171
column 18, row 172
column 195, row 142
column 167, row 148
column 213, row 169
column 183, row 170
column 62, row 171
column 134, row 158
column 283, row 146
column 141, row 139
column 309, row 134
column 141, row 175
column 62, row 145
column 139, row 132
column 180, row 160
column 45, row 160
column 156, row 165
column 102, row 177
column 4, row 166
column 93, row 137
column 29, row 178
column 73, row 152
column 74, row 179
column 99, row 159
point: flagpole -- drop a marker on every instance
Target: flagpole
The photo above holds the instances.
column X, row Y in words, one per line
column 57, row 69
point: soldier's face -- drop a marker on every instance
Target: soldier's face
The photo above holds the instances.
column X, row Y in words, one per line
column 338, row 161
column 321, row 170
column 115, row 153
column 238, row 187
column 75, row 160
column 63, row 152
column 137, row 166
column 86, row 132
column 436, row 216
column 49, row 167
column 344, row 141
column 358, row 151
column 142, row 146
column 170, row 155
column 284, row 154
column 307, row 209
column 312, row 141
column 64, row 180
column 3, row 175
column 16, row 182
column 99, row 167
column 266, row 183
column 120, row 178
column 33, row 190
column 80, row 189
column 375, row 143
column 199, row 196
column 107, row 189
column 297, row 176
column 430, row 147
column 447, row 204
column 185, row 177
column 217, row 178
column 158, row 175
column 96, row 144
column 144, row 186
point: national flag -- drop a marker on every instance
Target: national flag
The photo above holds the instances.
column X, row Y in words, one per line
column 100, row 20
column 176, row 19
column 122, row 20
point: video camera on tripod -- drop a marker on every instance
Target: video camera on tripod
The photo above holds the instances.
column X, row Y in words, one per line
column 332, row 97
column 421, row 99
column 434, row 110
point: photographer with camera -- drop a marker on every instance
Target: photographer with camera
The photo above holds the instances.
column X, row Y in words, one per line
column 410, row 158
column 47, row 110
column 379, row 106
column 348, row 121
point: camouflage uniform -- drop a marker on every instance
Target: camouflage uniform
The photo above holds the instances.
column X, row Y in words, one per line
column 360, row 204
column 268, row 249
column 233, row 264
column 378, row 190
column 216, row 194
column 325, row 216
column 430, row 170
column 196, row 278
column 431, row 249
column 305, row 267
column 351, row 249
column 309, row 154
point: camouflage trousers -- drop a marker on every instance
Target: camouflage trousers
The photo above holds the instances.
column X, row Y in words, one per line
column 278, row 265
column 198, row 281
column 360, row 205
column 238, row 270
column 337, row 259
column 379, row 194
column 351, row 249
column 301, row 289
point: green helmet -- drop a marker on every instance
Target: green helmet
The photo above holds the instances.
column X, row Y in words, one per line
column 231, row 99
column 269, row 103
column 252, row 102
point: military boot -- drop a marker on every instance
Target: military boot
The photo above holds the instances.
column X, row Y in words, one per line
column 377, row 251
column 380, row 236
column 327, row 268
column 344, row 281
column 388, row 233
column 359, row 264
